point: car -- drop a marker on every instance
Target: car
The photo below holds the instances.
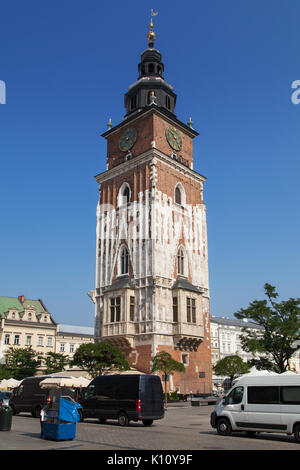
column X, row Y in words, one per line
column 5, row 395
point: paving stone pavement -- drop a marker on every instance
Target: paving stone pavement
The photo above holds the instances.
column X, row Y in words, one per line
column 183, row 428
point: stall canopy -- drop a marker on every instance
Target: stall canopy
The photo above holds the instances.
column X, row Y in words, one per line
column 65, row 382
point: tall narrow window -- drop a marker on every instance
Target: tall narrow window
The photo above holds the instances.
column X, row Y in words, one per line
column 177, row 195
column 6, row 339
column 190, row 310
column 115, row 309
column 126, row 195
column 133, row 102
column 132, row 308
column 124, row 261
column 17, row 339
column 175, row 309
column 180, row 261
column 168, row 102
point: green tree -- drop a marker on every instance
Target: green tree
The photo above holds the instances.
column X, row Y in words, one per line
column 163, row 362
column 98, row 358
column 55, row 362
column 231, row 366
column 5, row 373
column 278, row 339
column 22, row 362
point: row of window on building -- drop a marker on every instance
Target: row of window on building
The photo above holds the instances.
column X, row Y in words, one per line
column 115, row 309
column 14, row 340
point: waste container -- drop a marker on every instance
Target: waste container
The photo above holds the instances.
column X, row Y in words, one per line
column 61, row 424
column 5, row 418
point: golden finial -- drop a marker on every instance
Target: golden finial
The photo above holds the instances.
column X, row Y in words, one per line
column 151, row 36
column 109, row 125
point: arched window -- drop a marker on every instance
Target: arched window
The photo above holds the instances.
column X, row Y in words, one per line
column 180, row 261
column 124, row 194
column 124, row 261
column 177, row 195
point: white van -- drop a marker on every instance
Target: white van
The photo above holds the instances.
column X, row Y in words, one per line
column 260, row 404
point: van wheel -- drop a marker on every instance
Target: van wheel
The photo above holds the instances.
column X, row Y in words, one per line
column 102, row 420
column 224, row 427
column 14, row 412
column 147, row 422
column 297, row 433
column 36, row 412
column 123, row 419
column 80, row 415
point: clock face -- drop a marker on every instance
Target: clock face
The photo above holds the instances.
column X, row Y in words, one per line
column 174, row 138
column 128, row 139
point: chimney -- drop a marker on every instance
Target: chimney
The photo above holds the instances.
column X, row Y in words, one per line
column 21, row 298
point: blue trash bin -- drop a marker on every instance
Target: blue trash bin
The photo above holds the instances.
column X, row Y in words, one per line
column 61, row 425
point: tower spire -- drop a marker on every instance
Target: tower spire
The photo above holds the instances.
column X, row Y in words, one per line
column 151, row 36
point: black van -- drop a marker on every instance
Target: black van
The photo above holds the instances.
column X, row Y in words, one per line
column 29, row 396
column 125, row 398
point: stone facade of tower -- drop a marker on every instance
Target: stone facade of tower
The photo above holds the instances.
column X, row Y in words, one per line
column 151, row 289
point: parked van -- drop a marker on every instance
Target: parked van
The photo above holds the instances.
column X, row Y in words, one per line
column 260, row 404
column 125, row 398
column 29, row 396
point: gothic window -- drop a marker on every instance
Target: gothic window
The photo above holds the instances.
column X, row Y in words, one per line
column 177, row 195
column 124, row 261
column 124, row 195
column 190, row 310
column 175, row 309
column 115, row 309
column 180, row 261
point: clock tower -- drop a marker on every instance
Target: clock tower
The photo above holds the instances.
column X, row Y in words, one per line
column 151, row 288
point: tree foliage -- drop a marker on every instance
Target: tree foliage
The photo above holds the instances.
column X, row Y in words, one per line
column 22, row 362
column 231, row 366
column 99, row 358
column 279, row 337
column 55, row 362
column 163, row 362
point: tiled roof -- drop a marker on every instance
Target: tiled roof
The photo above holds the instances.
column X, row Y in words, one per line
column 7, row 303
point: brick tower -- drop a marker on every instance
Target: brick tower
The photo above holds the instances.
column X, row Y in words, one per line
column 151, row 288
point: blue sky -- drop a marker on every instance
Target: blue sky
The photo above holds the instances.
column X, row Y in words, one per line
column 67, row 64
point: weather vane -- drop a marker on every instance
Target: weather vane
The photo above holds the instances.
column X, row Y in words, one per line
column 151, row 36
